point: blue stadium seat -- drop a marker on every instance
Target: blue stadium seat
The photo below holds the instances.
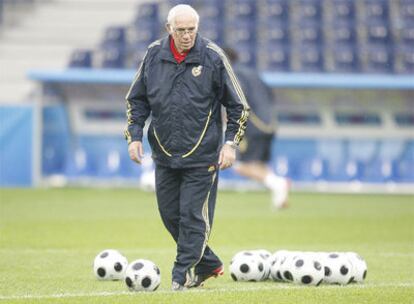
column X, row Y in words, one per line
column 343, row 32
column 135, row 55
column 240, row 32
column 311, row 58
column 112, row 57
column 211, row 10
column 213, row 30
column 378, row 32
column 378, row 59
column 176, row 2
column 274, row 10
column 246, row 53
column 114, row 36
column 147, row 11
column 81, row 59
column 407, row 33
column 240, row 10
column 407, row 59
column 309, row 170
column 343, row 10
column 376, row 10
column 273, row 32
column 344, row 59
column 273, row 57
column 403, row 170
column 377, row 171
column 144, row 31
column 310, row 10
column 309, row 32
column 407, row 10
column 343, row 170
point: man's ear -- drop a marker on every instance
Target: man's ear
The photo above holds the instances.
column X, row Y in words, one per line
column 168, row 27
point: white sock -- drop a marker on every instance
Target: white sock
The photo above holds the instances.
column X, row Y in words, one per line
column 272, row 181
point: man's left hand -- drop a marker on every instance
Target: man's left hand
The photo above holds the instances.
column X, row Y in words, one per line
column 227, row 156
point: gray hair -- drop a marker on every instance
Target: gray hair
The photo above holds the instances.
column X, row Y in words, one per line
column 181, row 8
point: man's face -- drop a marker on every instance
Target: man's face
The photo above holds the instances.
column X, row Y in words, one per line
column 183, row 30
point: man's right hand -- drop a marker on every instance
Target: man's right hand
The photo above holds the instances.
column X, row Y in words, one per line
column 136, row 151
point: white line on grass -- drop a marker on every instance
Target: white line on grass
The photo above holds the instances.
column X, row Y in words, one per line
column 244, row 289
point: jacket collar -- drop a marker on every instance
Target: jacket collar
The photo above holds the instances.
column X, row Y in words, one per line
column 194, row 56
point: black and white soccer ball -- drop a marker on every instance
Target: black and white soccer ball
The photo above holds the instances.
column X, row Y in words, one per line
column 267, row 259
column 142, row 275
column 247, row 266
column 286, row 265
column 338, row 268
column 307, row 269
column 110, row 265
column 276, row 261
column 359, row 267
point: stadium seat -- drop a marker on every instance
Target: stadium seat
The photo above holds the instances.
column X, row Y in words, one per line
column 144, row 31
column 309, row 170
column 377, row 171
column 377, row 59
column 343, row 32
column 135, row 55
column 246, row 53
column 309, row 32
column 211, row 10
column 213, row 30
column 344, row 59
column 343, row 170
column 311, row 58
column 310, row 10
column 274, row 10
column 114, row 36
column 112, row 57
column 147, row 11
column 404, row 58
column 273, row 32
column 240, row 32
column 343, row 10
column 242, row 10
column 273, row 57
column 378, row 32
column 376, row 10
column 81, row 59
column 407, row 10
column 407, row 34
column 403, row 171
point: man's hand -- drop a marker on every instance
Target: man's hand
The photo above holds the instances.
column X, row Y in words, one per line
column 136, row 151
column 227, row 156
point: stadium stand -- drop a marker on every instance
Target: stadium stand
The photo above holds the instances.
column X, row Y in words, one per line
column 284, row 39
column 50, row 30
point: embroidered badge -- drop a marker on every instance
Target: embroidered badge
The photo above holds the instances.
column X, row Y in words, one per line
column 196, row 71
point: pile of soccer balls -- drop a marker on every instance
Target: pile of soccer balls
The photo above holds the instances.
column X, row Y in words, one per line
column 304, row 268
column 139, row 275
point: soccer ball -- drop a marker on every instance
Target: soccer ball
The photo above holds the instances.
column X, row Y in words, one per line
column 338, row 269
column 307, row 269
column 286, row 265
column 276, row 261
column 142, row 275
column 247, row 266
column 110, row 264
column 266, row 258
column 359, row 267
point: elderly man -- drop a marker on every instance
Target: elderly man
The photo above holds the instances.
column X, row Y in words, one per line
column 183, row 82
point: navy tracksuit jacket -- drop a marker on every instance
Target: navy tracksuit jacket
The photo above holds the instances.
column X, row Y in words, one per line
column 185, row 135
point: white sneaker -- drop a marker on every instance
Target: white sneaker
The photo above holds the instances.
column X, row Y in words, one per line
column 280, row 194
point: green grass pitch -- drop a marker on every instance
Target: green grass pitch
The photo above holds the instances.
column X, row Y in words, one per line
column 49, row 238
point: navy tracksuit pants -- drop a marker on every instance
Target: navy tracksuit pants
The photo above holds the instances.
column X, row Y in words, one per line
column 186, row 201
